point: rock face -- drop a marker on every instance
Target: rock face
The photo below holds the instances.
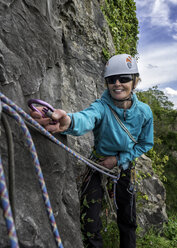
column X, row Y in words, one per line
column 151, row 196
column 51, row 50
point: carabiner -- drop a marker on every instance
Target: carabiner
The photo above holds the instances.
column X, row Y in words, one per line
column 46, row 111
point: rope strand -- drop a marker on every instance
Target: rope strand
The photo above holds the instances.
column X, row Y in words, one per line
column 11, row 163
column 17, row 113
column 7, row 209
column 97, row 167
column 32, row 149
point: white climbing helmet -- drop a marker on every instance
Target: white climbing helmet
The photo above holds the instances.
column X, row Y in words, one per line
column 121, row 64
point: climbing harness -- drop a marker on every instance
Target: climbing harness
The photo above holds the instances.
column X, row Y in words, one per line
column 18, row 114
column 104, row 180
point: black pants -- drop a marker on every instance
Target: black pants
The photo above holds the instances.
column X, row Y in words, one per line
column 91, row 203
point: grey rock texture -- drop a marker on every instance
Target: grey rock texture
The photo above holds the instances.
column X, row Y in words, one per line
column 151, row 196
column 52, row 50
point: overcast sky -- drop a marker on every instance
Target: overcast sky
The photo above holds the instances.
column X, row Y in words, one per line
column 157, row 46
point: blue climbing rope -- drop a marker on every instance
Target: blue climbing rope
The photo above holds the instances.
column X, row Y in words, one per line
column 17, row 113
column 7, row 209
column 32, row 149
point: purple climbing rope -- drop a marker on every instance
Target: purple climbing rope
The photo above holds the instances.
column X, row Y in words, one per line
column 7, row 209
column 32, row 149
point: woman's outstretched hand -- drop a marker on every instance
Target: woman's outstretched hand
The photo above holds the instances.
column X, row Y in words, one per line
column 59, row 115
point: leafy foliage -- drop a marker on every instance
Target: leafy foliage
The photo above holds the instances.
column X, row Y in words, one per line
column 163, row 112
column 156, row 240
column 165, row 239
column 165, row 132
column 123, row 24
column 170, row 229
column 158, row 163
column 110, row 234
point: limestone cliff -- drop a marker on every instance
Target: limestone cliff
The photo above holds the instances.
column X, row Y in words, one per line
column 52, row 50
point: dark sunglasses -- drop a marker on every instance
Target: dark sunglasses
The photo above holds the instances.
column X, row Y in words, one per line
column 122, row 79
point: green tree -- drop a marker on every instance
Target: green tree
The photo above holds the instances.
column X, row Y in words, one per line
column 164, row 118
column 165, row 140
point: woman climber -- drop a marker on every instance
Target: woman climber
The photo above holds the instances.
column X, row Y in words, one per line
column 123, row 131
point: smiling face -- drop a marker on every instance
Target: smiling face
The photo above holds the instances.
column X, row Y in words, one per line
column 120, row 91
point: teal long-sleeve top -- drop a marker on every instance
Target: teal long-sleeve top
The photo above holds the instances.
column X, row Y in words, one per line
column 109, row 137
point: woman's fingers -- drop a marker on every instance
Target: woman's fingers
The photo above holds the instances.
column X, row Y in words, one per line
column 52, row 128
column 35, row 114
column 44, row 121
column 59, row 115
